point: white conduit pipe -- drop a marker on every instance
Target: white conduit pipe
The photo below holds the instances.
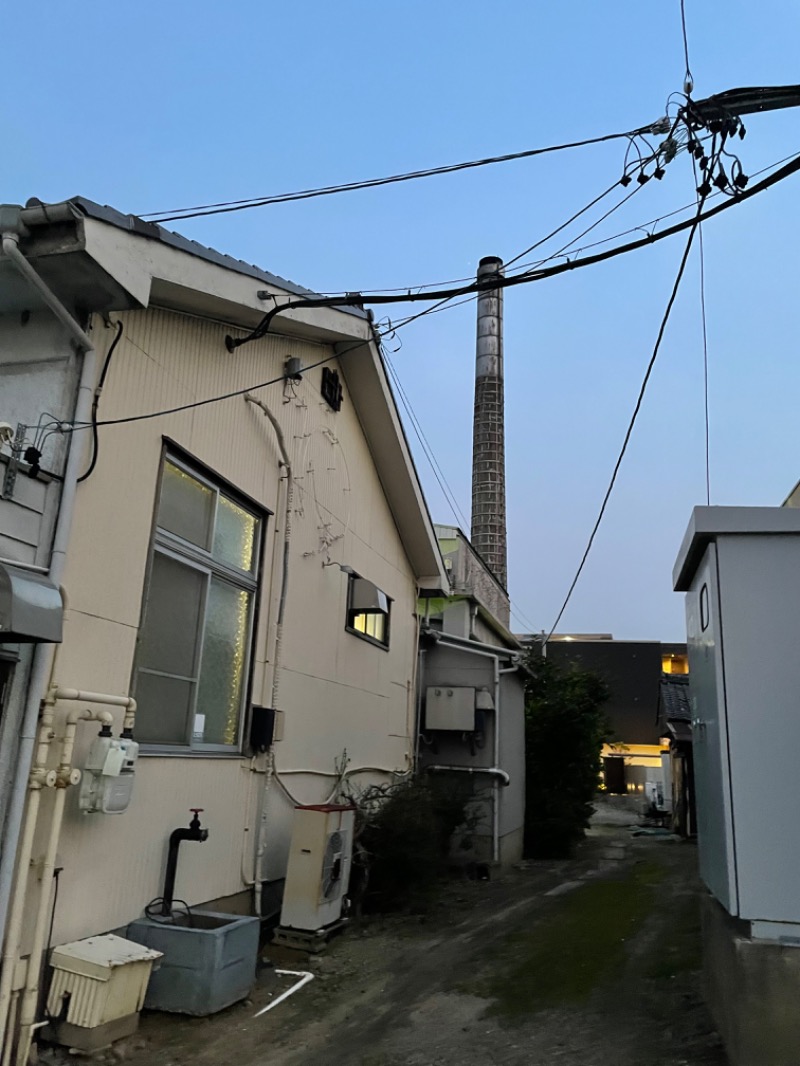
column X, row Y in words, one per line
column 304, row 976
column 66, row 775
column 17, row 849
column 260, row 843
column 491, row 771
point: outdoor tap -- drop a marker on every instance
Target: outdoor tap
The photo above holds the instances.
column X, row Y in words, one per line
column 193, row 831
column 194, row 826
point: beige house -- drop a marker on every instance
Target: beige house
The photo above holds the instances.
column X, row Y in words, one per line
column 246, row 562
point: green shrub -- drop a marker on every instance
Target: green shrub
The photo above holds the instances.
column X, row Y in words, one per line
column 565, row 728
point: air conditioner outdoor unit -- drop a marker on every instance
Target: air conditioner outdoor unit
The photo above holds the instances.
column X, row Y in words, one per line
column 319, row 866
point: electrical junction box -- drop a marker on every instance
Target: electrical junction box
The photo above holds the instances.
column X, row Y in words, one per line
column 319, row 866
column 97, row 989
column 740, row 570
column 450, row 708
column 107, row 782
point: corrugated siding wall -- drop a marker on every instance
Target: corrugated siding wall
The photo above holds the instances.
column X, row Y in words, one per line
column 337, row 691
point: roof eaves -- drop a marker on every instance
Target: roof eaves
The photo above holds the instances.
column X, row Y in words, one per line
column 152, row 231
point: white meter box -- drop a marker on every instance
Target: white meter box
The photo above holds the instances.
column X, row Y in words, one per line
column 450, row 708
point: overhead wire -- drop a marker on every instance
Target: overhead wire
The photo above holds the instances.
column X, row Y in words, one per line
column 689, row 86
column 787, row 167
column 227, row 206
column 632, row 422
column 358, row 299
column 438, row 473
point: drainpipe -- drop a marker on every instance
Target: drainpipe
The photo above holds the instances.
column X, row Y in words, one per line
column 66, row 775
column 488, row 651
column 43, row 655
column 261, row 833
column 496, row 762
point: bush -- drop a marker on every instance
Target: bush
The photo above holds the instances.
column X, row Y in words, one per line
column 565, row 728
column 403, row 835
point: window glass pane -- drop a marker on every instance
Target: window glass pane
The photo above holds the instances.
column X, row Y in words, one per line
column 169, row 634
column 234, row 535
column 371, row 625
column 225, row 645
column 163, row 708
column 186, row 507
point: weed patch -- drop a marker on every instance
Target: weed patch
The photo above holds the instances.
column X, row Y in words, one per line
column 580, row 940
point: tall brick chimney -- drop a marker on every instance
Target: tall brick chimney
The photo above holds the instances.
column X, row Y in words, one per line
column 488, row 436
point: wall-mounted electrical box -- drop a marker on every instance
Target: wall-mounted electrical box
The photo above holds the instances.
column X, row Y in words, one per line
column 108, row 773
column 450, row 708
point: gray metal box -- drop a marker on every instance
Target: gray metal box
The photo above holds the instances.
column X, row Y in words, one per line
column 740, row 570
column 206, row 966
column 450, row 708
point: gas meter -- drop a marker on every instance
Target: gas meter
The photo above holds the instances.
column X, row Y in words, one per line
column 107, row 782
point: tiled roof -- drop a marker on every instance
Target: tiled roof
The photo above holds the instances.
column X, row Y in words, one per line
column 674, row 698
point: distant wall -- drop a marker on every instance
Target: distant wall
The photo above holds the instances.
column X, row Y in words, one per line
column 632, row 671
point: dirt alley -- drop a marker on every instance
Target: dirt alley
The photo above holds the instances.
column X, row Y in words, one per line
column 574, row 963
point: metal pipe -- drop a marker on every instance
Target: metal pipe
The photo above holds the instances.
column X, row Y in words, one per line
column 494, row 771
column 474, row 646
column 10, row 246
column 496, row 760
column 193, row 831
column 260, row 845
column 488, row 651
column 66, row 775
column 13, row 851
column 25, row 566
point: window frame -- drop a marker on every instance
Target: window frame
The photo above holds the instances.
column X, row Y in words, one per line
column 200, row 559
column 351, row 611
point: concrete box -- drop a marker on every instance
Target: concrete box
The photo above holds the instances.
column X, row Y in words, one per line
column 753, row 991
column 207, row 966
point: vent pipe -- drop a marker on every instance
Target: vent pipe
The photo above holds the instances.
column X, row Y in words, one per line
column 488, row 436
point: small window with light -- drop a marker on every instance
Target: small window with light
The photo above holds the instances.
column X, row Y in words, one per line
column 368, row 611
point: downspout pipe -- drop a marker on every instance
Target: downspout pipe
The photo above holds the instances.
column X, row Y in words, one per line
column 43, row 655
column 262, row 816
column 489, row 651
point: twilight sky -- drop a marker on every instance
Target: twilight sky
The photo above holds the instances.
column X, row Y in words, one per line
column 151, row 106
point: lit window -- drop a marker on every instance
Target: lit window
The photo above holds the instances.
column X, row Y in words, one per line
column 193, row 649
column 368, row 611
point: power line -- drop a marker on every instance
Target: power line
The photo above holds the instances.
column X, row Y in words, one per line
column 705, row 357
column 358, row 299
column 688, row 81
column 67, row 427
column 629, row 431
column 438, row 473
column 227, row 206
column 791, row 167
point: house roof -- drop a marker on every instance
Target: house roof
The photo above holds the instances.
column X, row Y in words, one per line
column 151, row 230
column 674, row 698
column 97, row 259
